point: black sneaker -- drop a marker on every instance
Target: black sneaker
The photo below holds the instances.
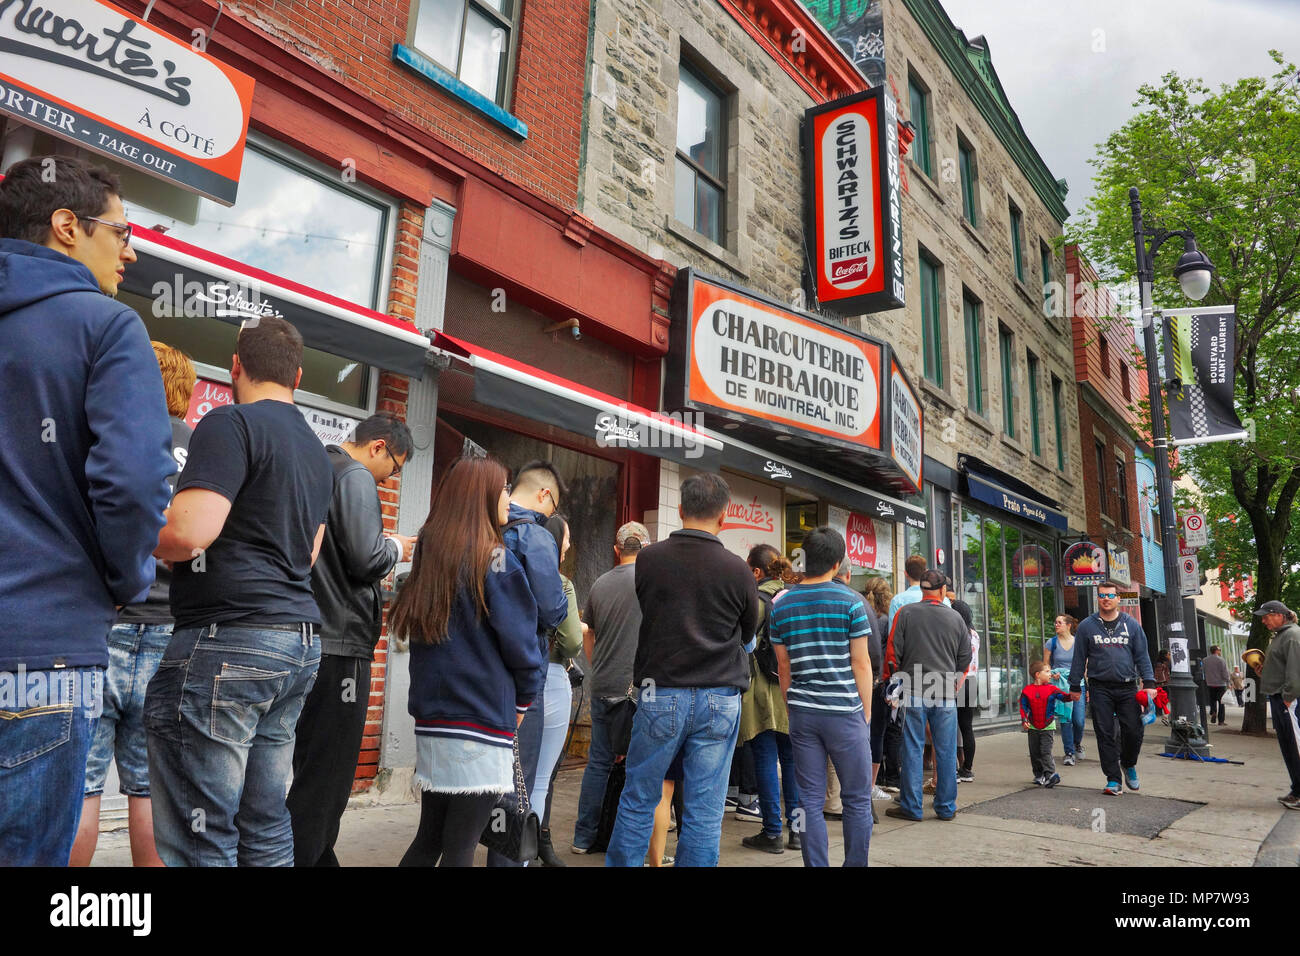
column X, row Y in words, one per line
column 768, row 844
column 1290, row 801
column 1052, row 780
column 965, row 776
column 749, row 811
column 795, row 842
column 898, row 814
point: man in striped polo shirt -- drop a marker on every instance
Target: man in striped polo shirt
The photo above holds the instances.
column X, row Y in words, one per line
column 819, row 631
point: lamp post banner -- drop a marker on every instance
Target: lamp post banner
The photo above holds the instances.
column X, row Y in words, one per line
column 1201, row 409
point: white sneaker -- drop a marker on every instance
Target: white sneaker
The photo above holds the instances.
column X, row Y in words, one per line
column 879, row 794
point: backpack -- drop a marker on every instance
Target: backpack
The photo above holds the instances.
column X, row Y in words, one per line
column 764, row 652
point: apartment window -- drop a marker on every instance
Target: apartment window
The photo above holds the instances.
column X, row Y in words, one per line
column 1060, row 425
column 1101, row 477
column 966, row 161
column 1124, row 385
column 919, row 99
column 1121, row 489
column 1017, row 250
column 1036, row 440
column 1045, row 256
column 1105, row 353
column 472, row 39
column 931, row 320
column 700, row 189
column 974, row 353
column 1008, row 381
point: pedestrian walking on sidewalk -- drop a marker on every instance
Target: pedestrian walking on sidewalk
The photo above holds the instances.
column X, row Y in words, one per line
column 699, row 614
column 470, row 616
column 1279, row 682
column 877, row 594
column 1238, row 684
column 1058, row 653
column 1038, row 717
column 967, row 698
column 1217, row 679
column 1112, row 648
column 821, row 631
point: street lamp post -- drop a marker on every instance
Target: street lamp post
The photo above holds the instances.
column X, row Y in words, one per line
column 1193, row 272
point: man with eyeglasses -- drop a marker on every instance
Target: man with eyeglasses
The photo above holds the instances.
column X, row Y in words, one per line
column 83, row 485
column 534, row 497
column 1112, row 648
column 355, row 556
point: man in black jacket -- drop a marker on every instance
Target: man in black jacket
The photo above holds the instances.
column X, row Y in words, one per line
column 355, row 555
column 699, row 613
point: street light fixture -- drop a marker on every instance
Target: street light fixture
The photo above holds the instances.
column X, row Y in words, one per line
column 1194, row 273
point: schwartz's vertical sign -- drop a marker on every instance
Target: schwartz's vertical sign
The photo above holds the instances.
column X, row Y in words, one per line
column 854, row 213
column 98, row 77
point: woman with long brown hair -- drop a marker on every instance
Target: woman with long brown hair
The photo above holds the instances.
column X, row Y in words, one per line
column 475, row 663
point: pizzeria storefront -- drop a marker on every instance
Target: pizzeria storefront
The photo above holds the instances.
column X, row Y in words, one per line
column 1008, row 537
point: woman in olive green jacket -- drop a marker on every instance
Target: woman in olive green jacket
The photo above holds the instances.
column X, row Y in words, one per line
column 764, row 721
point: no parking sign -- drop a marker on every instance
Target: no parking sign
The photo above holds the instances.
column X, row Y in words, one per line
column 1194, row 532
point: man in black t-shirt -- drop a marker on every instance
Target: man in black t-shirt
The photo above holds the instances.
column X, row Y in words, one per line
column 244, row 530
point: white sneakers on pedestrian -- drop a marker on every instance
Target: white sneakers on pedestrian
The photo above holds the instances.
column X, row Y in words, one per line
column 878, row 793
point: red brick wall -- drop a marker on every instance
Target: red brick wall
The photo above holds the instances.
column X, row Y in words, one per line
column 1102, row 529
column 1085, row 310
column 353, row 40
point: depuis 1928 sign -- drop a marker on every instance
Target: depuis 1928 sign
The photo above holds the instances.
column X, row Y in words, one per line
column 91, row 74
column 854, row 213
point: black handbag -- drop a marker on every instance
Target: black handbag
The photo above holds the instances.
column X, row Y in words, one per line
column 620, row 725
column 512, row 829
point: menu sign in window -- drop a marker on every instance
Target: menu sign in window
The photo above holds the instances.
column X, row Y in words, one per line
column 905, row 416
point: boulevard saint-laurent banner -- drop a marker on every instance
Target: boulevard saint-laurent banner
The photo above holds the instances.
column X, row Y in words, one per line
column 1202, row 342
column 853, row 207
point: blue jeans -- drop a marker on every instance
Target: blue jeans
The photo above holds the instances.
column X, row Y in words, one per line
column 1072, row 729
column 47, row 720
column 770, row 747
column 600, row 758
column 555, row 727
column 134, row 651
column 942, row 719
column 846, row 740
column 703, row 723
column 220, row 716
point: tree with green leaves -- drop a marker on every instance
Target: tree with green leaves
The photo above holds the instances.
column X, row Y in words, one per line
column 1225, row 164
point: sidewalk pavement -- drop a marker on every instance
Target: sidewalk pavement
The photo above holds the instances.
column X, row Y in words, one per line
column 1222, row 815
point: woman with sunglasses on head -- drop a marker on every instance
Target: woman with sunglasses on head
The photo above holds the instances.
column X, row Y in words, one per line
column 565, row 643
column 475, row 664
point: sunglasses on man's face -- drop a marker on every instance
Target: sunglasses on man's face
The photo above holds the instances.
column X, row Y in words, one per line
column 1110, row 597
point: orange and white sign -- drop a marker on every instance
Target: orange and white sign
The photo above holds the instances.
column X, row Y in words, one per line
column 777, row 366
column 94, row 75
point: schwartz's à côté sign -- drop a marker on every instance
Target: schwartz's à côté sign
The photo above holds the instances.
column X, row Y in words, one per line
column 853, row 205
column 94, row 75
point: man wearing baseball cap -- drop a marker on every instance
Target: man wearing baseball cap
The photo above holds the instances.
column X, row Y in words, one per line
column 613, row 617
column 1279, row 681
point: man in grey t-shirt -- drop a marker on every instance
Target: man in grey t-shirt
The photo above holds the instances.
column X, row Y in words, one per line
column 1216, row 679
column 613, row 619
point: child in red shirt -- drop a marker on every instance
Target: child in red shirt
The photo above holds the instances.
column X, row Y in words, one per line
column 1038, row 717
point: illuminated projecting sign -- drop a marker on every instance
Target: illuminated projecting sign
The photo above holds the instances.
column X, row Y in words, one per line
column 853, row 207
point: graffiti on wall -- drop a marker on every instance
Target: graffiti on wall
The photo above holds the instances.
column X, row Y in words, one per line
column 858, row 27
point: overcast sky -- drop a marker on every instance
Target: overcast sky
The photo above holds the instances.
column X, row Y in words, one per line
column 1070, row 98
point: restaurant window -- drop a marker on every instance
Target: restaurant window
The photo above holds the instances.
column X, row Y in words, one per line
column 1008, row 381
column 1121, row 492
column 1101, row 477
column 931, row 318
column 1034, row 435
column 919, row 114
column 1057, row 419
column 1017, row 240
column 474, row 40
column 974, row 353
column 700, row 188
column 969, row 178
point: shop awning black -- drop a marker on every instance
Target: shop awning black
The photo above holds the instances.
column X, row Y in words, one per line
column 993, row 487
column 834, row 489
column 212, row 285
column 612, row 422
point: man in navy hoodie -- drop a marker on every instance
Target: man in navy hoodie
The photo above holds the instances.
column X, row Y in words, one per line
column 1111, row 648
column 83, row 485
